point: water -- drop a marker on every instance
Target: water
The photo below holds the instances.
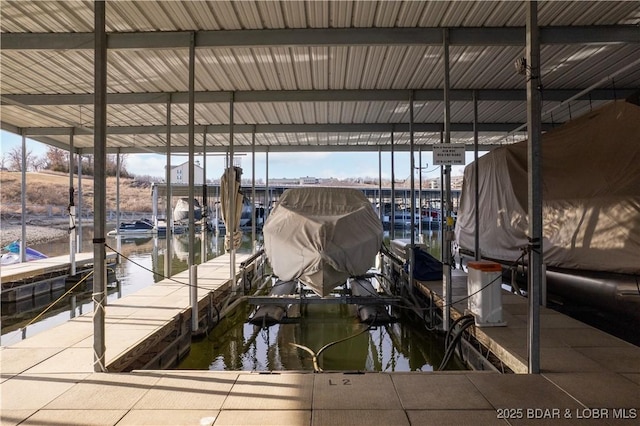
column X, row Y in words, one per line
column 404, row 345
column 142, row 265
column 237, row 345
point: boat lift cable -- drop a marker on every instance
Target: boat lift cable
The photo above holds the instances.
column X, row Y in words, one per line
column 52, row 304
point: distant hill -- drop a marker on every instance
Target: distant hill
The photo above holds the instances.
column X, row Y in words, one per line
column 50, row 191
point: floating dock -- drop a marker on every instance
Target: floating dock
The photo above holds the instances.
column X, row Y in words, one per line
column 588, row 377
column 22, row 281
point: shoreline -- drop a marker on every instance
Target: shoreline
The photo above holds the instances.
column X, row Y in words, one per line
column 38, row 231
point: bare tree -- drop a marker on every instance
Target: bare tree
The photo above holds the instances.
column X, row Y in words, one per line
column 15, row 159
column 112, row 165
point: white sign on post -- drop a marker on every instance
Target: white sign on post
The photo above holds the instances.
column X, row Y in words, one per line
column 448, row 154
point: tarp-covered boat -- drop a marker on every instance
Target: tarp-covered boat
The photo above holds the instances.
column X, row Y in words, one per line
column 322, row 236
column 591, row 198
column 181, row 210
column 12, row 254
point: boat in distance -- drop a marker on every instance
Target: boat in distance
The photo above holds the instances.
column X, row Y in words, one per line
column 322, row 236
column 140, row 227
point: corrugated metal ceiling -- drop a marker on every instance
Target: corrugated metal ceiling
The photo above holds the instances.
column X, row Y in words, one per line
column 246, row 55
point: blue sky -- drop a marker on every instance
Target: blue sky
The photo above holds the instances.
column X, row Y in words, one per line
column 338, row 165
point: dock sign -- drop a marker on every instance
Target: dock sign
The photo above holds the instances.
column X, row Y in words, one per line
column 448, row 154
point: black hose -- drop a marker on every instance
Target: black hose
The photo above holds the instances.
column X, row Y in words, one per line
column 453, row 325
column 456, row 339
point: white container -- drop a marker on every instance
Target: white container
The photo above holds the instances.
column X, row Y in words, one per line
column 484, row 285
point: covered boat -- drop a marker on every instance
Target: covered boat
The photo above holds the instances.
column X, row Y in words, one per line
column 12, row 254
column 590, row 206
column 181, row 210
column 322, row 236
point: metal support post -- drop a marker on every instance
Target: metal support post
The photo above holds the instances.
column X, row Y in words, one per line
column 79, row 209
column 534, row 163
column 99, row 218
column 193, row 297
column 23, row 198
column 191, row 126
column 392, row 233
column 476, row 176
column 168, row 253
column 118, row 236
column 254, row 241
column 231, row 192
column 72, row 211
column 447, row 225
column 204, row 222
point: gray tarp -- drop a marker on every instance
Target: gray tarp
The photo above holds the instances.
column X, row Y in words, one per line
column 231, row 174
column 591, row 195
column 322, row 236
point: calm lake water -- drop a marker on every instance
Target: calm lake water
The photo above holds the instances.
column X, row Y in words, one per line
column 236, row 344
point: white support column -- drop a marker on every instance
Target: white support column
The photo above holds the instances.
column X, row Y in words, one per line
column 254, row 241
column 193, row 276
column 23, row 198
column 267, row 195
column 118, row 236
column 476, row 176
column 380, row 209
column 72, row 210
column 231, row 192
column 169, row 213
column 392, row 233
column 205, row 202
column 79, row 209
column 412, row 183
column 420, row 236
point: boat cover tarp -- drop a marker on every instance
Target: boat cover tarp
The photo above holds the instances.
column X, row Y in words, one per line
column 322, row 236
column 181, row 210
column 13, row 254
column 426, row 267
column 227, row 197
column 591, row 195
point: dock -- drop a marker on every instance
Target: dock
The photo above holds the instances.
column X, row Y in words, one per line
column 25, row 280
column 588, row 377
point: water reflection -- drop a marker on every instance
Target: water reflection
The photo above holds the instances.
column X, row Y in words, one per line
column 238, row 345
column 235, row 344
column 142, row 264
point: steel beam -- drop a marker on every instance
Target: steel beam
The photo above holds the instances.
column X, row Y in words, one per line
column 283, row 128
column 270, row 96
column 431, row 36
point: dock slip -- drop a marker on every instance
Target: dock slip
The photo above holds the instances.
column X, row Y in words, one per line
column 26, row 280
column 588, row 377
column 43, row 267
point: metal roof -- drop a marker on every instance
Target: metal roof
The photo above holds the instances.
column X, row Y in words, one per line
column 307, row 75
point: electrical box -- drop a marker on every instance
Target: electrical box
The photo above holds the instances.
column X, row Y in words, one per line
column 484, row 285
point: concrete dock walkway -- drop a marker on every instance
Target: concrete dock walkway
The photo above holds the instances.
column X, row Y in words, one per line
column 588, row 377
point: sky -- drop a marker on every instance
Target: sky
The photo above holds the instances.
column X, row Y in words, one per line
column 322, row 165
